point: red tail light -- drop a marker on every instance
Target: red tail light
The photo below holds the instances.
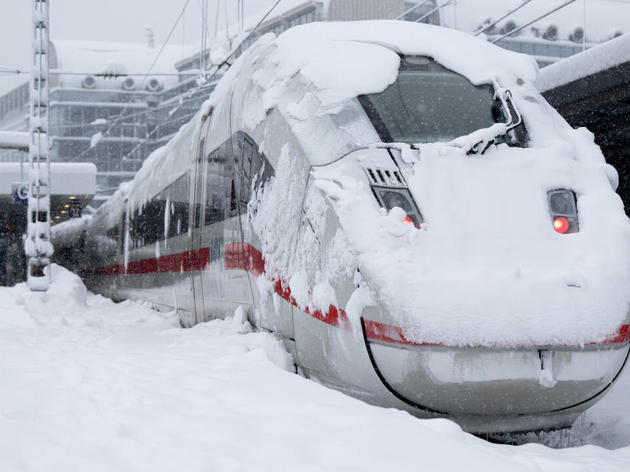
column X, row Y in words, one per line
column 561, row 225
column 408, row 221
column 563, row 209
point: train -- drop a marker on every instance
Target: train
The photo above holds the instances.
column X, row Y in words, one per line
column 399, row 205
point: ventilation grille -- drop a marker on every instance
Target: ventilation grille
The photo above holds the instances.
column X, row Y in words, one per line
column 385, row 177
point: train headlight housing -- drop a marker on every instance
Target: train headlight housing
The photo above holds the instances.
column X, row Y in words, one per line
column 389, row 198
column 563, row 210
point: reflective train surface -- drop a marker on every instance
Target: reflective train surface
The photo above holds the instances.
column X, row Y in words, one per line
column 400, row 206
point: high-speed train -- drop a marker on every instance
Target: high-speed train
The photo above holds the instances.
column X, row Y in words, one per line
column 401, row 207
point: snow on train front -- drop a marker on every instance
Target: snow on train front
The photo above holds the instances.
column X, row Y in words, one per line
column 475, row 240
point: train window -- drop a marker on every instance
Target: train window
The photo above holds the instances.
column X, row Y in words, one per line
column 216, row 181
column 151, row 222
column 123, row 226
column 200, row 151
column 246, row 172
column 233, row 207
column 178, row 201
column 429, row 103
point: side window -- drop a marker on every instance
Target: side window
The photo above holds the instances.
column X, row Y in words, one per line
column 215, row 193
column 153, row 221
column 178, row 198
column 198, row 183
column 122, row 226
column 200, row 151
column 246, row 169
column 233, row 206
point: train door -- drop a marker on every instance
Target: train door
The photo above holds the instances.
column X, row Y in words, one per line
column 197, row 257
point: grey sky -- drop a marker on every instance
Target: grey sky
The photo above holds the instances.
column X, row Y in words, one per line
column 125, row 20
column 98, row 20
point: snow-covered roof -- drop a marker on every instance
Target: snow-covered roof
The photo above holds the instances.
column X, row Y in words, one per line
column 14, row 139
column 591, row 61
column 353, row 58
column 603, row 17
column 67, row 178
column 95, row 57
column 342, row 60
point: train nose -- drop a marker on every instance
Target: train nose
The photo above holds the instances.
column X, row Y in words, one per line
column 481, row 381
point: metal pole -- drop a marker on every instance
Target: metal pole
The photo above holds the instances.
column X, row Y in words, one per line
column 521, row 28
column 37, row 245
column 510, row 13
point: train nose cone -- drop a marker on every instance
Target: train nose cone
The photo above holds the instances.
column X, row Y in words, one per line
column 478, row 381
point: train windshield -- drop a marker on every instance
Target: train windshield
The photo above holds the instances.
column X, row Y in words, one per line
column 429, row 103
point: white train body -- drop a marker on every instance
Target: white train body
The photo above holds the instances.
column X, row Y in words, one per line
column 416, row 240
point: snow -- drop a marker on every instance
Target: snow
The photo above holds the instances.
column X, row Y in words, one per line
column 76, row 178
column 363, row 56
column 487, row 268
column 589, row 62
column 95, row 139
column 88, row 384
column 19, row 139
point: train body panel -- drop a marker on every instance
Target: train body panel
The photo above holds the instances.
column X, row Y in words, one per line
column 420, row 274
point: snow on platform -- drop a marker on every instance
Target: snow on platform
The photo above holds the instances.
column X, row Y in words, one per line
column 90, row 385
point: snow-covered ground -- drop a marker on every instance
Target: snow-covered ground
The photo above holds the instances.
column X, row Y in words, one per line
column 89, row 385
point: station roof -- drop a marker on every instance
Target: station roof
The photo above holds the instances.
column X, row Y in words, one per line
column 96, row 57
column 70, row 183
column 15, row 140
column 592, row 90
column 600, row 58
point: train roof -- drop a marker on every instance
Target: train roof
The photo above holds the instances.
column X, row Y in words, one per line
column 360, row 57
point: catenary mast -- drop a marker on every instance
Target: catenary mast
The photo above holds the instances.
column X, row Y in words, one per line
column 37, row 245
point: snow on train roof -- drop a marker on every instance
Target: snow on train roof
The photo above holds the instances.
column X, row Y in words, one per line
column 346, row 59
column 342, row 60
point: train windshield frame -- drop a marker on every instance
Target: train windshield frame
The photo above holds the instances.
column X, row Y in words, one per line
column 430, row 103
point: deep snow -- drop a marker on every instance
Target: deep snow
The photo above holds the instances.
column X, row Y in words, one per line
column 92, row 385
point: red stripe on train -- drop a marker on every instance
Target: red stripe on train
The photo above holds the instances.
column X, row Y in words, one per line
column 180, row 262
column 244, row 256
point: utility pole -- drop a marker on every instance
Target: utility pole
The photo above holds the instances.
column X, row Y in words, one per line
column 37, row 245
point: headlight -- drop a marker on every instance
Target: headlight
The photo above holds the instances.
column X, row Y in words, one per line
column 563, row 210
column 399, row 197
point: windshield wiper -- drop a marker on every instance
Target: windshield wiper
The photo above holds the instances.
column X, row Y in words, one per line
column 478, row 141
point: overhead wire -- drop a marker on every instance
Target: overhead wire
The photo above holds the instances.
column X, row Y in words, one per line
column 157, row 56
column 508, row 14
column 521, row 28
column 207, row 83
column 430, row 12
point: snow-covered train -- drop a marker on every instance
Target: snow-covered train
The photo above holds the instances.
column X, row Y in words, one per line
column 402, row 208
